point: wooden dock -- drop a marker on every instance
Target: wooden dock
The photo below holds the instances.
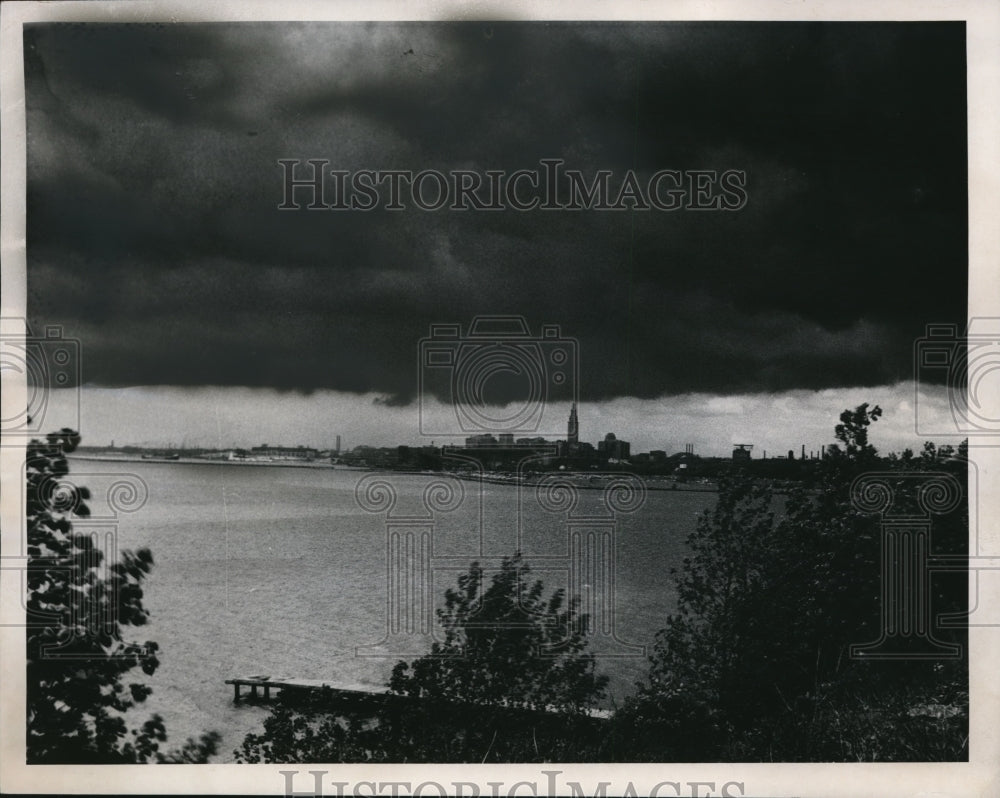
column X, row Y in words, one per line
column 266, row 683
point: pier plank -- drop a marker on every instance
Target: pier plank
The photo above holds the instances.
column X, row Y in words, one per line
column 286, row 683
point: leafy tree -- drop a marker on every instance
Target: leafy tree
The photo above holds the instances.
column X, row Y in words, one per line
column 852, row 432
column 755, row 664
column 506, row 646
column 699, row 676
column 77, row 608
column 511, row 682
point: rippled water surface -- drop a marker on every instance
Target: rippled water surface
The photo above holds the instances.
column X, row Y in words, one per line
column 280, row 571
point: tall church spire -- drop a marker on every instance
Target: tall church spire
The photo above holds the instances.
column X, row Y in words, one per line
column 573, row 429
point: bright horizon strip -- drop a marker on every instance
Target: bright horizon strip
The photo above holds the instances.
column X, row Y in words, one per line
column 228, row 417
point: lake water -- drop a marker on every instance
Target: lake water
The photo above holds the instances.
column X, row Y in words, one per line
column 280, row 571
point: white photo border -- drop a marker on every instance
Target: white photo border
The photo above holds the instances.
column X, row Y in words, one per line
column 979, row 776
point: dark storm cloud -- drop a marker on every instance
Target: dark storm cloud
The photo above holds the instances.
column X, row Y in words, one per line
column 153, row 182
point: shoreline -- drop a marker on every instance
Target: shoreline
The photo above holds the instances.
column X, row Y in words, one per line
column 582, row 480
column 199, row 461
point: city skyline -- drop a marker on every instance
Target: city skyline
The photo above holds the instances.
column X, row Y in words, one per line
column 240, row 418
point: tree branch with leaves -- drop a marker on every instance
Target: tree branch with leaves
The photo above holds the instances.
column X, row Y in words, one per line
column 78, row 606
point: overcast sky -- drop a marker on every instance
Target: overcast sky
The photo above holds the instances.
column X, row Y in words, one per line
column 154, row 235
